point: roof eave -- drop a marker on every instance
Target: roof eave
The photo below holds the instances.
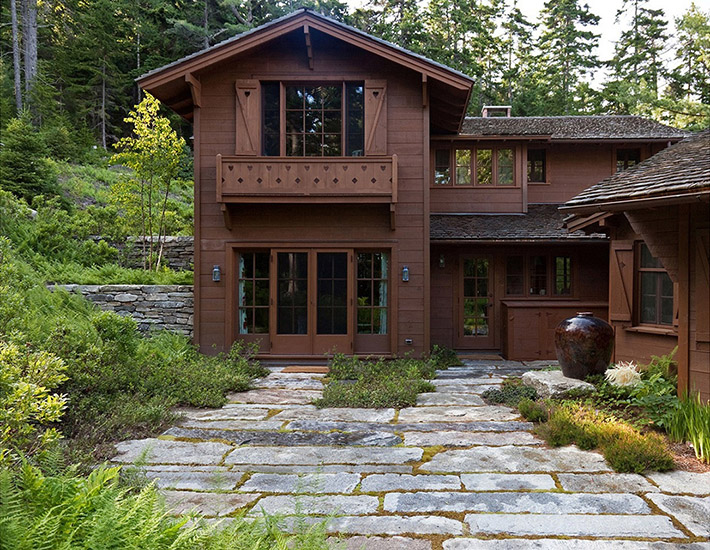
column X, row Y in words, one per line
column 638, row 202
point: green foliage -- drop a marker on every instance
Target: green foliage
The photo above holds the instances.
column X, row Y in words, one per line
column 68, row 511
column 624, row 447
column 26, row 402
column 444, row 357
column 24, row 169
column 691, row 422
column 354, row 382
column 511, row 392
column 533, row 411
column 153, row 153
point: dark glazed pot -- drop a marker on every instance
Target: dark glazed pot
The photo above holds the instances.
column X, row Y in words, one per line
column 584, row 345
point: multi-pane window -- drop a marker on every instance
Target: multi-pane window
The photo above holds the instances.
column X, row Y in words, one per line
column 292, row 288
column 442, row 167
column 479, row 166
column 626, row 158
column 655, row 299
column 372, row 292
column 253, row 288
column 537, row 166
column 544, row 274
column 320, row 120
column 332, row 293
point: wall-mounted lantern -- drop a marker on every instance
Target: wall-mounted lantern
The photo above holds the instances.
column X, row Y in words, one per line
column 216, row 274
column 405, row 274
column 442, row 261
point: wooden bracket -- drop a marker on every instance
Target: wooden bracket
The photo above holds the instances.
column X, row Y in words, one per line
column 425, row 90
column 393, row 216
column 227, row 216
column 309, row 47
column 195, row 89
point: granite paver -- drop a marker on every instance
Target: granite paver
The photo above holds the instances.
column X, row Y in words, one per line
column 452, row 473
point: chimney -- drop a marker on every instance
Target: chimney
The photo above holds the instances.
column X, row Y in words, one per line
column 503, row 111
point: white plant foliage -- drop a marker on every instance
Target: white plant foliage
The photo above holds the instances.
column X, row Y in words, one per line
column 624, row 373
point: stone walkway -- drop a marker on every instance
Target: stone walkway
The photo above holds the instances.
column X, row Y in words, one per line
column 452, row 473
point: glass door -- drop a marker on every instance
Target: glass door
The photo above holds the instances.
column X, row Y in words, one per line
column 333, row 302
column 290, row 313
column 475, row 319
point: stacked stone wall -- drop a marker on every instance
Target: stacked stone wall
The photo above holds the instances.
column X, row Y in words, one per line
column 178, row 252
column 154, row 307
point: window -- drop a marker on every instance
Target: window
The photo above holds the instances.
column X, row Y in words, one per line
column 655, row 297
column 442, row 167
column 626, row 158
column 372, row 295
column 463, row 167
column 253, row 287
column 537, row 166
column 320, row 120
column 544, row 275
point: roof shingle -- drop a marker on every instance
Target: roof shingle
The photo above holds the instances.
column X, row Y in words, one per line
column 543, row 222
column 679, row 169
column 572, row 127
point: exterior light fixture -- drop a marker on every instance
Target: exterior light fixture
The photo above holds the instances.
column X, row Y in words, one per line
column 442, row 261
column 405, row 274
column 216, row 274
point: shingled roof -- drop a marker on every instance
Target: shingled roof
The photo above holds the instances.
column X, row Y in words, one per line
column 683, row 169
column 572, row 127
column 543, row 222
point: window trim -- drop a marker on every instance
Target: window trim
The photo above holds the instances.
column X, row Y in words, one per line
column 546, row 166
column 283, row 84
column 660, row 271
column 473, row 169
column 550, row 279
column 615, row 158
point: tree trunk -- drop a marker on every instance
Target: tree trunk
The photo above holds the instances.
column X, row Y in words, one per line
column 29, row 35
column 103, row 105
column 16, row 56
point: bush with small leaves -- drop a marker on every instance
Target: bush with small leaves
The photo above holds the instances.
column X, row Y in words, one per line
column 533, row 411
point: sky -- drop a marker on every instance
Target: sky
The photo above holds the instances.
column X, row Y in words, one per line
column 607, row 28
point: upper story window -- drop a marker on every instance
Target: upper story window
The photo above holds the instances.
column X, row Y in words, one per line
column 313, row 120
column 537, row 166
column 655, row 295
column 545, row 275
column 478, row 166
column 626, row 158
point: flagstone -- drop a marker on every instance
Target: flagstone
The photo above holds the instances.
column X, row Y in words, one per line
column 161, row 451
column 381, row 543
column 465, row 381
column 577, row 525
column 474, row 426
column 310, row 412
column 235, row 412
column 679, row 482
column 519, row 503
column 196, row 481
column 327, row 468
column 517, row 459
column 693, row 512
column 235, row 425
column 567, row 544
column 396, row 525
column 508, row 482
column 275, row 396
column 396, row 482
column 606, row 483
column 287, row 439
column 469, row 439
column 209, row 504
column 316, row 505
column 308, row 483
column 290, row 381
column 451, row 398
column 456, row 414
column 323, row 455
column 477, row 389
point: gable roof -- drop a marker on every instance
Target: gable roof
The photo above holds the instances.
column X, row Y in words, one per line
column 169, row 84
column 680, row 173
column 542, row 223
column 607, row 127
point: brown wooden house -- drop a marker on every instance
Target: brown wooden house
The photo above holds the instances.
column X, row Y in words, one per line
column 343, row 201
column 658, row 217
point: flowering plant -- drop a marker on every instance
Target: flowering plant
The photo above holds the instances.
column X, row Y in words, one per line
column 624, row 373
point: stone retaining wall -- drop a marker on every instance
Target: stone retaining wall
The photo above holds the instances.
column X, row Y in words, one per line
column 154, row 307
column 178, row 252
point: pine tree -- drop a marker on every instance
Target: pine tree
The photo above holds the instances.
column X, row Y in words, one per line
column 567, row 52
column 517, row 45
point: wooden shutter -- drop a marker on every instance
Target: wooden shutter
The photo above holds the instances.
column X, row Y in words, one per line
column 248, row 139
column 375, row 117
column 701, row 300
column 621, row 281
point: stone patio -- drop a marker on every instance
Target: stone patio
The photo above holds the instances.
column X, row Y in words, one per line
column 451, row 473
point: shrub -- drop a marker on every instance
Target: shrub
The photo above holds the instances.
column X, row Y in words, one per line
column 510, row 393
column 691, row 422
column 444, row 357
column 628, row 451
column 533, row 411
column 67, row 511
column 26, row 402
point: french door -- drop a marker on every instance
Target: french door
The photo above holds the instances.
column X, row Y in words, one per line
column 475, row 311
column 311, row 310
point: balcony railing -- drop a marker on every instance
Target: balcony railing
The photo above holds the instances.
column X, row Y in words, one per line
column 307, row 180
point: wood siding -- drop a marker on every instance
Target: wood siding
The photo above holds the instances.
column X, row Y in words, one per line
column 330, row 226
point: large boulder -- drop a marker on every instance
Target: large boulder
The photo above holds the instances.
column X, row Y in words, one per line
column 554, row 384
